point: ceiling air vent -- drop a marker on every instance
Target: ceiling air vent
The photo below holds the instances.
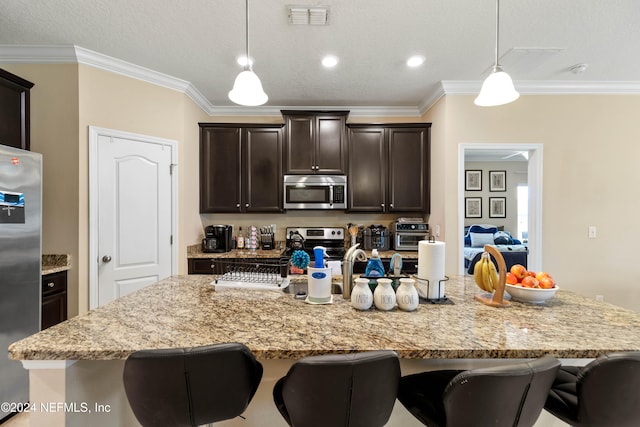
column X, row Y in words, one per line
column 304, row 15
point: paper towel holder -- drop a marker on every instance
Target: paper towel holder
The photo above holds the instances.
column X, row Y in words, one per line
column 444, row 300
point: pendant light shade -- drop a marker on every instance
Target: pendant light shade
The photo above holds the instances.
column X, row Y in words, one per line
column 498, row 88
column 247, row 88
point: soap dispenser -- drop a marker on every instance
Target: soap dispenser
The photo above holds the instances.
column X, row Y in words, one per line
column 319, row 278
column 374, row 265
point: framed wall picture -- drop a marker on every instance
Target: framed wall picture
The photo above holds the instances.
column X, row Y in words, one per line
column 497, row 180
column 473, row 207
column 497, row 207
column 473, row 180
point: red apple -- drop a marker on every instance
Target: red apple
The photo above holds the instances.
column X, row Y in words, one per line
column 530, row 282
column 519, row 271
column 542, row 274
column 511, row 278
column 547, row 283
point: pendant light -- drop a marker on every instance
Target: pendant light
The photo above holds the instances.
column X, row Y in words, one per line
column 247, row 89
column 498, row 88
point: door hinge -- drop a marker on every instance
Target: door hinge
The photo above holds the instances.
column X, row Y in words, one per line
column 171, row 239
column 171, row 166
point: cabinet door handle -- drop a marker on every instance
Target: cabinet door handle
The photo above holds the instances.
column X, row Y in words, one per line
column 391, row 205
column 382, row 204
column 246, row 205
column 238, row 205
column 51, row 284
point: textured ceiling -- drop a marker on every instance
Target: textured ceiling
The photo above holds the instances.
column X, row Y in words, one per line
column 199, row 40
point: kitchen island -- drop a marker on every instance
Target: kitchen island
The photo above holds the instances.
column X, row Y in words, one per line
column 80, row 361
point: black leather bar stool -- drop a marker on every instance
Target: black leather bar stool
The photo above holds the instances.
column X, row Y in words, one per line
column 509, row 395
column 356, row 389
column 191, row 386
column 606, row 392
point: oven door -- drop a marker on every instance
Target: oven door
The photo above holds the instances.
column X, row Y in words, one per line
column 409, row 241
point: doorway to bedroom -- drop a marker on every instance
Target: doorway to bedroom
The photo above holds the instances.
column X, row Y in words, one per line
column 500, row 185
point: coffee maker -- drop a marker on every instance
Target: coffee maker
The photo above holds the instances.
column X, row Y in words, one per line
column 217, row 238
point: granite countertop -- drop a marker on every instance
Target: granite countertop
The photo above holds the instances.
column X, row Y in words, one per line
column 55, row 263
column 185, row 311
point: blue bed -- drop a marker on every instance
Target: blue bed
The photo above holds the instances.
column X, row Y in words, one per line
column 476, row 236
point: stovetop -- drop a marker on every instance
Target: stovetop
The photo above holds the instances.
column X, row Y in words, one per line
column 332, row 238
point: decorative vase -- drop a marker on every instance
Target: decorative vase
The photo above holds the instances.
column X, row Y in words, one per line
column 407, row 295
column 361, row 295
column 384, row 296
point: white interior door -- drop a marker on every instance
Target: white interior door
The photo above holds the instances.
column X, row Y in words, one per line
column 133, row 213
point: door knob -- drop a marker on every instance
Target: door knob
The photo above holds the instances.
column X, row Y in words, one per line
column 106, row 258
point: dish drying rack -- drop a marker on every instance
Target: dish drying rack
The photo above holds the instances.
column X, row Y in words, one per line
column 264, row 274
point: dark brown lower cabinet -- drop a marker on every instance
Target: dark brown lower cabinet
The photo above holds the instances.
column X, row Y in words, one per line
column 202, row 266
column 54, row 299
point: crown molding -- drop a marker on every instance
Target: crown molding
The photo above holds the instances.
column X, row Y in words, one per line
column 551, row 87
column 63, row 54
column 37, row 54
column 355, row 110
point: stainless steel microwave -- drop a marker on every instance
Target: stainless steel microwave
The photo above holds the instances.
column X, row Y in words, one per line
column 315, row 192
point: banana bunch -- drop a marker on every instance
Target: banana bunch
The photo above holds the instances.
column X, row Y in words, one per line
column 485, row 273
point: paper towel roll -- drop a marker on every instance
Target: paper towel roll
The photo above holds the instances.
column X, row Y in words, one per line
column 431, row 268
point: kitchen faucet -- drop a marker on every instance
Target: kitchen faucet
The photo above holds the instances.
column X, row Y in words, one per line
column 350, row 256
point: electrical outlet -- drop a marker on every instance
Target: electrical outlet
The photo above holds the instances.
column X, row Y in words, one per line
column 436, row 230
column 592, row 232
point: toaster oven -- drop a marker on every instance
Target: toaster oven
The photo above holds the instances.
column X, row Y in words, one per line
column 407, row 235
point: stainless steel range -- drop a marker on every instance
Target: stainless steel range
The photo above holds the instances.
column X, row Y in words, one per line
column 306, row 238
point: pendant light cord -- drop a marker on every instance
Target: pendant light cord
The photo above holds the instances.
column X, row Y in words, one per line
column 497, row 30
column 246, row 5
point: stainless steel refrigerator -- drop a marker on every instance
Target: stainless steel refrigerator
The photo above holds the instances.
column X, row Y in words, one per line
column 20, row 263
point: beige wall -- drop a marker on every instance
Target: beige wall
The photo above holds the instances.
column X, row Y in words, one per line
column 590, row 146
column 54, row 124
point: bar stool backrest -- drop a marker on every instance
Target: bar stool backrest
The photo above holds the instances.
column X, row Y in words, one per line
column 191, row 386
column 510, row 395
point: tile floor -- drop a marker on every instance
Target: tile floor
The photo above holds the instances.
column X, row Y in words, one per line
column 19, row 420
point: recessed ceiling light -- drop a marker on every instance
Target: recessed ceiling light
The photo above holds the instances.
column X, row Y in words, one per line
column 415, row 61
column 329, row 61
column 242, row 60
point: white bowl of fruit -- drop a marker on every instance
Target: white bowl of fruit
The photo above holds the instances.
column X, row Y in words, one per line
column 527, row 286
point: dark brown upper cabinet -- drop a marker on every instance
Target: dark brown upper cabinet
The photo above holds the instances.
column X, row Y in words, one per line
column 14, row 110
column 240, row 168
column 389, row 168
column 315, row 142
